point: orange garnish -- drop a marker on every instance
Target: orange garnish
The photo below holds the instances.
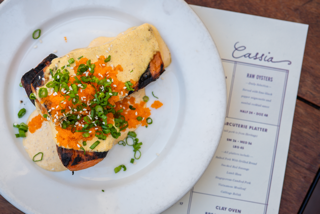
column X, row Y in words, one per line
column 35, row 123
column 156, row 104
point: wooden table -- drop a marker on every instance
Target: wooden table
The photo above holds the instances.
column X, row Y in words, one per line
column 304, row 151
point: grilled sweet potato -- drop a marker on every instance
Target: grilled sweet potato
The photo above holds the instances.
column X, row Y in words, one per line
column 76, row 160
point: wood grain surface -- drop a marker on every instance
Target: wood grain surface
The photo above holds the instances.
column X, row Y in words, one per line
column 304, row 151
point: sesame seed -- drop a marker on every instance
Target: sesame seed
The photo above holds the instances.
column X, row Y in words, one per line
column 78, row 145
column 39, row 77
column 136, row 113
column 55, row 51
column 35, row 47
column 103, row 64
column 124, row 87
column 110, row 94
column 40, row 41
column 90, row 131
column 114, row 85
column 96, row 128
column 97, row 56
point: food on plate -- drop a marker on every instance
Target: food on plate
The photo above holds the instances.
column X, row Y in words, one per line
column 91, row 98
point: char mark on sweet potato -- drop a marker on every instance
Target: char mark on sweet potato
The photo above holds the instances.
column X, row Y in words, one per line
column 33, row 75
column 152, row 73
column 76, row 160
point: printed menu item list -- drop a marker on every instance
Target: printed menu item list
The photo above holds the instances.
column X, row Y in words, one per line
column 262, row 61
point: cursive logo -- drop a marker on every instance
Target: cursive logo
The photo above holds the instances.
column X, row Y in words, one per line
column 262, row 57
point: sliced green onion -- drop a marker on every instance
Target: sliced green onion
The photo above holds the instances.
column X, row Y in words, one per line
column 149, row 121
column 154, row 96
column 139, row 118
column 74, row 87
column 22, row 112
column 32, row 96
column 80, row 57
column 131, row 71
column 132, row 134
column 145, row 98
column 132, row 160
column 131, row 107
column 95, row 144
column 101, row 137
column 20, row 84
column 118, row 168
column 40, row 153
column 108, row 59
column 135, row 154
column 84, row 143
column 43, row 92
column 51, row 72
column 102, row 190
column 98, row 109
column 17, row 135
column 85, row 134
column 71, row 61
column 36, row 34
column 121, row 142
column 22, row 133
column 128, row 85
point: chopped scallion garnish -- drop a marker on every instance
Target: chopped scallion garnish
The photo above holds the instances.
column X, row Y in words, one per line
column 36, row 34
column 32, row 96
column 154, row 96
column 95, row 144
column 145, row 98
column 40, row 153
column 22, row 112
column 131, row 107
column 149, row 121
column 118, row 168
column 108, row 59
column 43, row 92
column 71, row 61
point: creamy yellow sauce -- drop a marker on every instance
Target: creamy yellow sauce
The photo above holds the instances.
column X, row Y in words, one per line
column 132, row 49
column 43, row 141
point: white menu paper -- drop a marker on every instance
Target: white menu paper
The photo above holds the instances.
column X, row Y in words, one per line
column 262, row 60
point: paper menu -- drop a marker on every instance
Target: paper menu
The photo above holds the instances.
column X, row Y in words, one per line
column 262, row 60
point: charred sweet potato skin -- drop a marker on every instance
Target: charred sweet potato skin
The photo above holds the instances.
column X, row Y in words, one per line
column 76, row 160
column 32, row 77
column 152, row 73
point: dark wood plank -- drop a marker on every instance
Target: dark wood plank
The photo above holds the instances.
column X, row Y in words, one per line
column 302, row 11
column 304, row 157
column 7, row 208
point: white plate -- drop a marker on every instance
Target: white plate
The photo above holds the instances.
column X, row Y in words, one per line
column 185, row 132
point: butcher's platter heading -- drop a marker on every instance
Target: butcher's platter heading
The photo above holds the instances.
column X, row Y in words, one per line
column 91, row 99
